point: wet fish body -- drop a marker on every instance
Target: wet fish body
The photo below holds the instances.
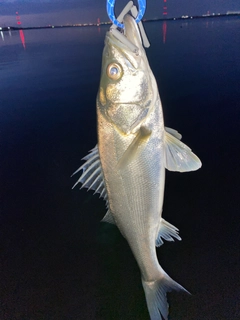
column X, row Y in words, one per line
column 127, row 167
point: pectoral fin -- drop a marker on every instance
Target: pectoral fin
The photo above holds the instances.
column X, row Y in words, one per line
column 135, row 146
column 174, row 133
column 178, row 156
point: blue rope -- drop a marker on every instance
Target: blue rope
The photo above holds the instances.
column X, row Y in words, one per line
column 141, row 10
column 110, row 12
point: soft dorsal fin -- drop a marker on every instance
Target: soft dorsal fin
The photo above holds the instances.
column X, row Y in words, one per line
column 166, row 231
column 108, row 218
column 178, row 156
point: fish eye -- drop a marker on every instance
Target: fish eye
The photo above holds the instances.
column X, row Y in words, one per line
column 114, row 71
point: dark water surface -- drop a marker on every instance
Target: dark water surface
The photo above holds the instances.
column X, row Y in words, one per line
column 57, row 260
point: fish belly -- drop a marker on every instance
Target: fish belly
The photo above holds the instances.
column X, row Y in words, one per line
column 135, row 192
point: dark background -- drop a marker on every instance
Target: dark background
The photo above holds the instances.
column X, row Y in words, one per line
column 57, row 260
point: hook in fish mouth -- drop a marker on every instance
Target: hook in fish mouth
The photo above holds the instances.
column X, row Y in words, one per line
column 130, row 26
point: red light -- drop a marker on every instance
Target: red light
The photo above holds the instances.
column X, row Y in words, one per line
column 164, row 31
column 22, row 38
column 19, row 22
column 165, row 8
column 165, row 0
column 165, row 13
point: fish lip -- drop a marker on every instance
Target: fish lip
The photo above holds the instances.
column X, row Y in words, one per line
column 131, row 33
column 111, row 40
column 131, row 30
column 109, row 37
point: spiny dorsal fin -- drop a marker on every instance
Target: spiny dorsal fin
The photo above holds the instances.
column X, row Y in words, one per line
column 92, row 176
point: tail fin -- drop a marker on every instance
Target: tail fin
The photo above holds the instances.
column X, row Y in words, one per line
column 156, row 295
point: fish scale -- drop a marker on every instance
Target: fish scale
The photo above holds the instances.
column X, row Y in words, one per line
column 128, row 165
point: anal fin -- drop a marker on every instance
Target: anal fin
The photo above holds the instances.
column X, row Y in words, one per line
column 167, row 231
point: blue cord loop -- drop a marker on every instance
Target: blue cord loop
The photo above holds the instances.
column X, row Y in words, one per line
column 110, row 12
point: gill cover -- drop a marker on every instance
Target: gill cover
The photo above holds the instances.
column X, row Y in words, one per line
column 126, row 91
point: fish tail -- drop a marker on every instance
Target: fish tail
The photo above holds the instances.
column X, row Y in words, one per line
column 156, row 295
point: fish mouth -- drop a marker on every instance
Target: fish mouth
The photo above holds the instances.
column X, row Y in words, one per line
column 127, row 111
column 130, row 37
column 131, row 30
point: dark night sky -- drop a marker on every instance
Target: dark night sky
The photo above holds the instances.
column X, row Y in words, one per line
column 44, row 12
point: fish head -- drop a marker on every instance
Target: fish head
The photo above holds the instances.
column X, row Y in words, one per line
column 126, row 87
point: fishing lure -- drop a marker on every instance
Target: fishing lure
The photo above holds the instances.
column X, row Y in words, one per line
column 110, row 12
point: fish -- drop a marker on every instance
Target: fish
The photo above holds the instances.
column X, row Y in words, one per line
column 127, row 166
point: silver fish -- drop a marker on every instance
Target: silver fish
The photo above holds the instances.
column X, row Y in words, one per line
column 127, row 167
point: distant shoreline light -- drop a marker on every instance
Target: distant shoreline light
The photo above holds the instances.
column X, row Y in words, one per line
column 98, row 24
